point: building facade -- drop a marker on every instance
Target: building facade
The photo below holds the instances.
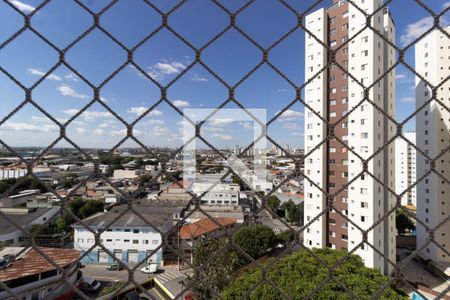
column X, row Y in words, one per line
column 405, row 169
column 131, row 238
column 433, row 138
column 331, row 93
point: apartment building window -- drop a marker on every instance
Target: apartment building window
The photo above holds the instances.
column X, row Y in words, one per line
column 309, row 126
column 364, row 149
column 332, row 114
column 332, row 78
column 344, row 237
column 331, row 185
column 363, row 218
column 331, row 161
column 135, row 230
column 344, row 125
column 365, row 53
column 333, row 31
column 345, row 174
column 145, row 242
column 135, row 241
column 333, row 43
column 345, row 88
column 333, row 20
column 332, row 221
column 332, row 150
column 363, row 121
column 364, row 135
column 345, row 162
column 108, row 240
column 364, row 204
column 363, row 191
column 332, row 234
column 344, row 100
column 364, row 67
column 333, row 90
column 344, row 200
column 365, row 39
column 344, row 39
column 155, row 242
column 344, row 27
column 333, row 102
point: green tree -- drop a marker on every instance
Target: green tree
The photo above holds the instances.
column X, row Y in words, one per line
column 255, row 239
column 292, row 212
column 216, row 260
column 300, row 273
column 274, row 203
column 69, row 180
column 61, row 225
column 403, row 222
column 285, row 237
column 90, row 207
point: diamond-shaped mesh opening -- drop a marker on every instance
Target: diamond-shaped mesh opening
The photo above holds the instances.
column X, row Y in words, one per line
column 99, row 198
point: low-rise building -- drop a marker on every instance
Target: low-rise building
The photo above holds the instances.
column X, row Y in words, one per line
column 130, row 237
column 29, row 275
column 125, row 174
column 20, row 198
column 22, row 217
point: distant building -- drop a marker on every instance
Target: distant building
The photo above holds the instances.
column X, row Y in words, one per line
column 20, row 198
column 31, row 276
column 22, row 217
column 405, row 168
column 125, row 174
column 220, row 194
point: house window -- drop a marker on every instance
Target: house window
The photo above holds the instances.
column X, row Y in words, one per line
column 135, row 230
column 135, row 241
column 155, row 242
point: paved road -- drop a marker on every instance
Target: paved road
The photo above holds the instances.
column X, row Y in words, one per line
column 170, row 277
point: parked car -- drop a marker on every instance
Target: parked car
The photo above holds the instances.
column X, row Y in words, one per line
column 90, row 284
column 114, row 267
column 150, row 269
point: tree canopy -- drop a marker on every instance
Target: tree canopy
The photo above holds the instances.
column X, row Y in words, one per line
column 299, row 274
column 255, row 239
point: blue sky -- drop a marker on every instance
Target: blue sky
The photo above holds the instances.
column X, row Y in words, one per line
column 165, row 57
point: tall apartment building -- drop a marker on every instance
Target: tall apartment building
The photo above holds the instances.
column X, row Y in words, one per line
column 405, row 169
column 330, row 94
column 433, row 137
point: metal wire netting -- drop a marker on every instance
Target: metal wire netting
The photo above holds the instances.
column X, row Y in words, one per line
column 301, row 98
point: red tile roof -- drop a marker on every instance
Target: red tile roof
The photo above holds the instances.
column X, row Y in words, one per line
column 32, row 262
column 204, row 226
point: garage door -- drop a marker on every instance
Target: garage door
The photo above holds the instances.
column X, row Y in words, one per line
column 132, row 256
column 118, row 254
column 102, row 256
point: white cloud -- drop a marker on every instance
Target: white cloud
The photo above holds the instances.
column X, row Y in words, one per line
column 81, row 130
column 89, row 115
column 159, row 131
column 246, row 125
column 224, row 137
column 400, row 76
column 17, row 126
column 141, row 110
column 98, row 131
column 198, row 78
column 154, row 122
column 282, row 90
column 123, row 132
column 415, row 30
column 67, row 90
column 71, row 76
column 298, row 133
column 446, row 5
column 39, row 72
column 181, row 103
column 408, row 100
column 290, row 115
column 23, row 7
column 39, row 119
column 212, row 129
column 221, row 121
column 163, row 68
column 290, row 126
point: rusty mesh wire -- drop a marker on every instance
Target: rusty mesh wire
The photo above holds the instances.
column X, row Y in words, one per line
column 195, row 201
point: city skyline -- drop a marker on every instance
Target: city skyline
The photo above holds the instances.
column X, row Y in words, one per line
column 164, row 57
